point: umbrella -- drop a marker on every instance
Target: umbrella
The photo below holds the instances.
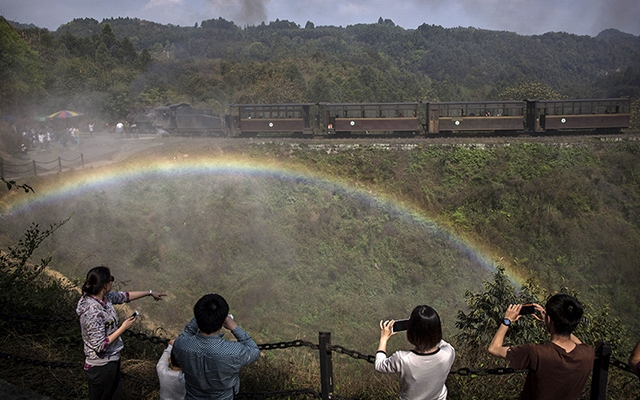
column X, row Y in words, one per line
column 64, row 114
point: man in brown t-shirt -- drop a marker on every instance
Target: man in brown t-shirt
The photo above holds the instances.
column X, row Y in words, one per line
column 558, row 369
column 634, row 359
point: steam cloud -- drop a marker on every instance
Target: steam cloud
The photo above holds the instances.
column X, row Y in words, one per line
column 242, row 12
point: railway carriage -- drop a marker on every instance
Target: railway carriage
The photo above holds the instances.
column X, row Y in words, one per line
column 345, row 118
column 482, row 116
column 253, row 119
column 598, row 114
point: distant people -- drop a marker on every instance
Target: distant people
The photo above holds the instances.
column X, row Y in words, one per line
column 210, row 363
column 558, row 369
column 73, row 132
column 119, row 128
column 424, row 369
column 634, row 359
column 134, row 129
column 101, row 334
column 91, row 129
column 170, row 376
column 41, row 141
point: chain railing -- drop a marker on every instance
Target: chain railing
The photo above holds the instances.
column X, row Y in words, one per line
column 603, row 360
column 33, row 168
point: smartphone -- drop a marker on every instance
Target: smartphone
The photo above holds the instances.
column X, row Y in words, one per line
column 400, row 325
column 135, row 314
column 527, row 309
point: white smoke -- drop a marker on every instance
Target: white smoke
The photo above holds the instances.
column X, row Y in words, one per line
column 242, row 12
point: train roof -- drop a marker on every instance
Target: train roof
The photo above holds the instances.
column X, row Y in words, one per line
column 170, row 106
column 406, row 103
column 273, row 105
column 612, row 100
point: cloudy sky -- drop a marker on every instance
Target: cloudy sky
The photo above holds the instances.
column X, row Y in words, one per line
column 527, row 17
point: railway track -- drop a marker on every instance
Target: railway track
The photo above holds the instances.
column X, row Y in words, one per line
column 458, row 140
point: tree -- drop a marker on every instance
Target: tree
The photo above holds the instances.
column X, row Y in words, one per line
column 21, row 73
column 531, row 90
column 486, row 309
column 127, row 51
column 318, row 89
column 108, row 37
column 117, row 101
column 144, row 60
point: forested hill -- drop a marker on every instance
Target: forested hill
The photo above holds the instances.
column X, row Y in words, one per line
column 216, row 62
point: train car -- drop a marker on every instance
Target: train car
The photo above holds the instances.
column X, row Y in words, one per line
column 254, row 119
column 345, row 118
column 483, row 116
column 182, row 119
column 142, row 121
column 607, row 115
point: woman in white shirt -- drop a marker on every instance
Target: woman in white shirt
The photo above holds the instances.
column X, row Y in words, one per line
column 424, row 369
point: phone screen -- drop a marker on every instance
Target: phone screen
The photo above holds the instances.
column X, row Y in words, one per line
column 400, row 325
column 527, row 309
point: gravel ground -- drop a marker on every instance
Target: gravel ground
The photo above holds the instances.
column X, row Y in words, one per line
column 107, row 148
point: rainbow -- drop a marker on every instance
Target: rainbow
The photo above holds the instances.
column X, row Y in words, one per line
column 102, row 178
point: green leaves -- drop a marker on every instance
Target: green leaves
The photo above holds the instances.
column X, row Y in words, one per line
column 12, row 184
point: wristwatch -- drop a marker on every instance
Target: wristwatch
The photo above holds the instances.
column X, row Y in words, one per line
column 506, row 322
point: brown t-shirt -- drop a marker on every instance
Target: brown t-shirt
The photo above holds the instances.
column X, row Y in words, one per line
column 553, row 373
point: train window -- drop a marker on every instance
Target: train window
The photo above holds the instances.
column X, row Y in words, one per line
column 453, row 112
column 370, row 114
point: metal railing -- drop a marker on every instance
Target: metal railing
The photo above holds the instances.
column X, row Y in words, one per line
column 34, row 168
column 602, row 362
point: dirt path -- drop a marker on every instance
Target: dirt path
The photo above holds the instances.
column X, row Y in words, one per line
column 102, row 148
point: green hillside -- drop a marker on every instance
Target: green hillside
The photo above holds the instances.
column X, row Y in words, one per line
column 325, row 237
column 110, row 68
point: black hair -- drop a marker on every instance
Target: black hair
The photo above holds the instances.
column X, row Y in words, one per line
column 424, row 329
column 210, row 312
column 96, row 279
column 174, row 360
column 565, row 312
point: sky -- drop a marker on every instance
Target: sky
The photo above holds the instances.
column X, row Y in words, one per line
column 526, row 17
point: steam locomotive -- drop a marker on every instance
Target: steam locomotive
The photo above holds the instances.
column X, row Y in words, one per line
column 400, row 119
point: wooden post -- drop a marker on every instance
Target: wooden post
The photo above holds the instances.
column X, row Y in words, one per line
column 326, row 365
column 59, row 164
column 35, row 170
column 600, row 372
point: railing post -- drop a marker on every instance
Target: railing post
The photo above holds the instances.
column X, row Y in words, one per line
column 35, row 170
column 82, row 159
column 1, row 167
column 600, row 371
column 59, row 164
column 326, row 365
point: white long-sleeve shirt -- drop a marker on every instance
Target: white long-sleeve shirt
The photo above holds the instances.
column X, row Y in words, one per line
column 171, row 381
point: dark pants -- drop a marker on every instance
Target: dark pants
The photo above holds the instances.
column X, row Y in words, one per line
column 105, row 382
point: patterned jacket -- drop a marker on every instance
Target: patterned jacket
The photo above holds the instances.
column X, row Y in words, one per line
column 98, row 320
